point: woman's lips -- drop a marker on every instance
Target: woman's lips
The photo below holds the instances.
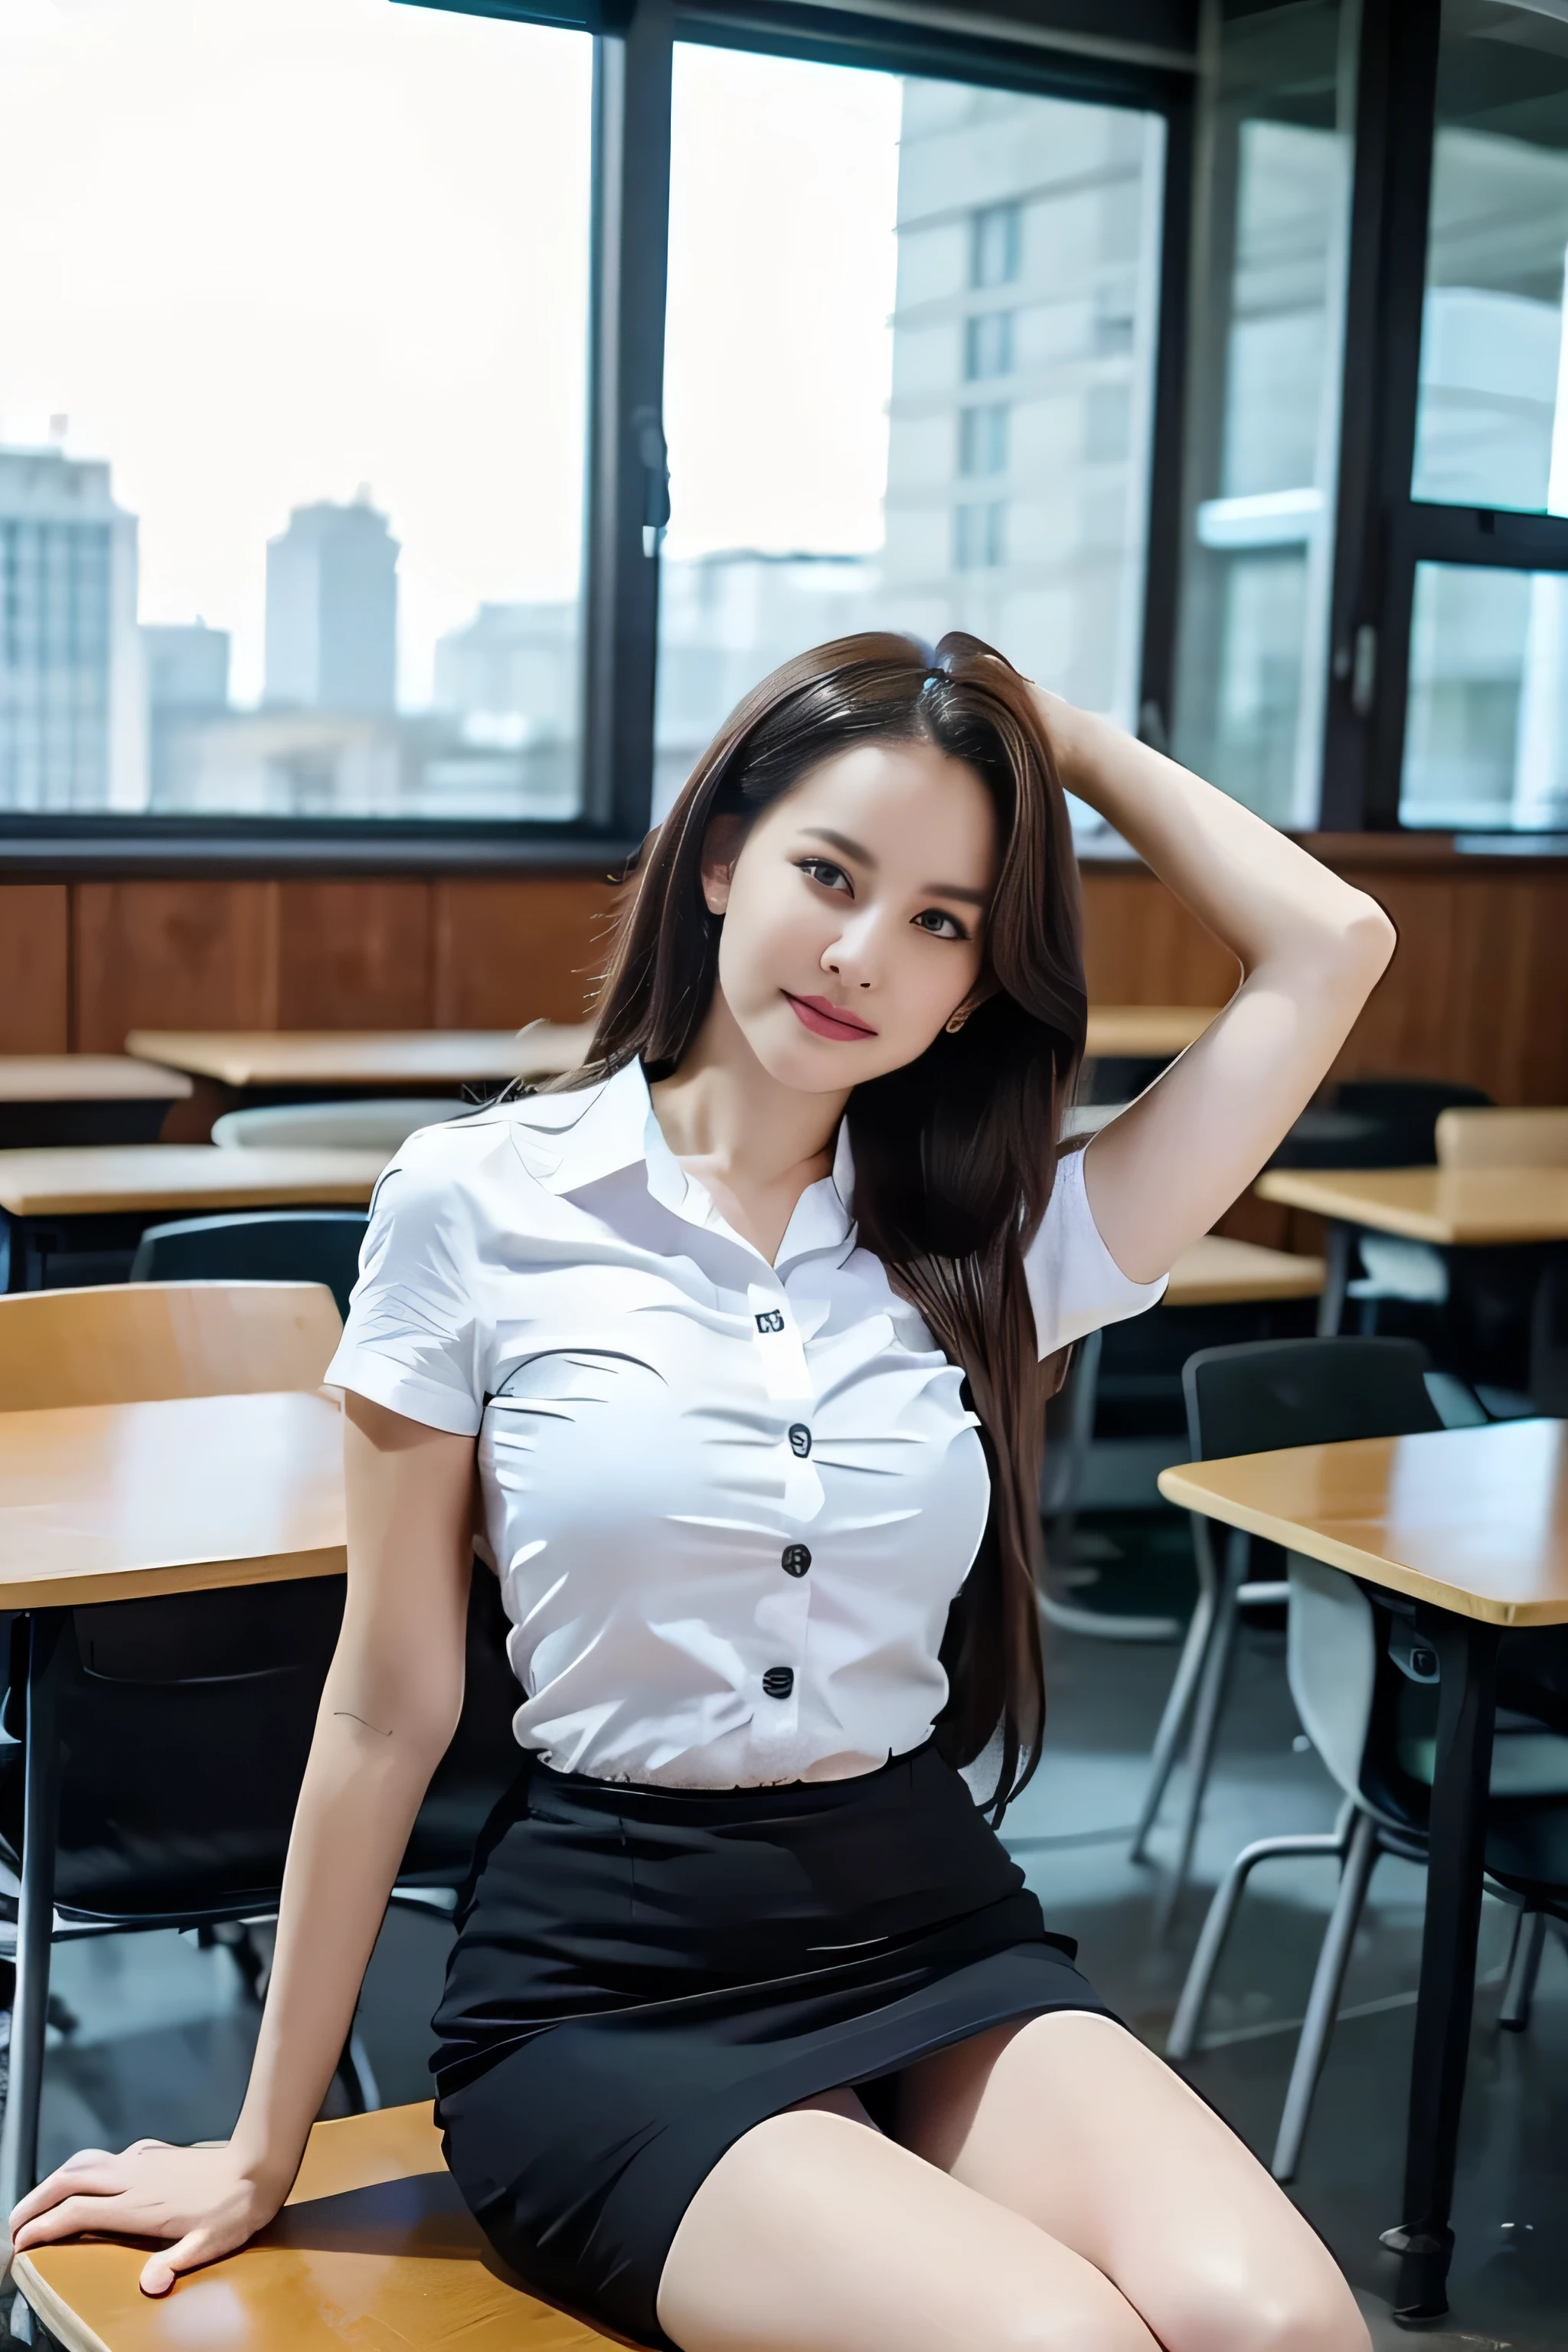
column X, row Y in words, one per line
column 825, row 1020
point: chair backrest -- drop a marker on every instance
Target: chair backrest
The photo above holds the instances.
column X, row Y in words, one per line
column 1279, row 1393
column 1549, row 1341
column 126, row 1344
column 367, row 1125
column 265, row 1245
column 1502, row 1139
column 1275, row 1392
column 184, row 1720
column 1405, row 1112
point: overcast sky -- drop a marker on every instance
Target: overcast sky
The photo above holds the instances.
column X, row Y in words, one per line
column 260, row 252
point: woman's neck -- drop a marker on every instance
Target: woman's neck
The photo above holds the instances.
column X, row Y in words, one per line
column 754, row 1145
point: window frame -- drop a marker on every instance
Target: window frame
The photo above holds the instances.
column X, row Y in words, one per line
column 624, row 471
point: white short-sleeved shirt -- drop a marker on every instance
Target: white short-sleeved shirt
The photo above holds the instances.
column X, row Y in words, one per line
column 729, row 1503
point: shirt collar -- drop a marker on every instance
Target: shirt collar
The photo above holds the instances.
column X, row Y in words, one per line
column 572, row 1141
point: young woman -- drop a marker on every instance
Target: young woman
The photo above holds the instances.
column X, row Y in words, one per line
column 752, row 2038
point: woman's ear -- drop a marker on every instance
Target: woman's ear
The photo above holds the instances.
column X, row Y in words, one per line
column 721, row 846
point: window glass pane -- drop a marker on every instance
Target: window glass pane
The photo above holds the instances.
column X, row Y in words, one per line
column 1252, row 660
column 1491, row 423
column 908, row 378
column 292, row 343
column 1486, row 738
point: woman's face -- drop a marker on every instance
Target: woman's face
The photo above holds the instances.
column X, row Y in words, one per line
column 854, row 913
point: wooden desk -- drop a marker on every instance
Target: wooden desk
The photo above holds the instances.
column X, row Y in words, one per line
column 374, row 2249
column 1453, row 1208
column 1473, row 1524
column 110, row 1502
column 193, row 1176
column 118, row 1502
column 54, row 1099
column 1138, row 1032
column 387, row 1060
column 1219, row 1273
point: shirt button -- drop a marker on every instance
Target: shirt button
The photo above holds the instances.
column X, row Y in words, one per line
column 800, row 1440
column 796, row 1559
column 779, row 1681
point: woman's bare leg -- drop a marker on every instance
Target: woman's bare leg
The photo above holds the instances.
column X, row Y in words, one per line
column 814, row 2234
column 1071, row 2123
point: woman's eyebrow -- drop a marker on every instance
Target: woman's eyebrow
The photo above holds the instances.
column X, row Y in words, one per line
column 841, row 840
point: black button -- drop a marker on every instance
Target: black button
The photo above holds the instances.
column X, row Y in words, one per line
column 800, row 1440
column 779, row 1681
column 796, row 1559
column 772, row 1322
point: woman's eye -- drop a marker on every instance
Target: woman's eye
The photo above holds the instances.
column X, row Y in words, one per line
column 823, row 870
column 940, row 924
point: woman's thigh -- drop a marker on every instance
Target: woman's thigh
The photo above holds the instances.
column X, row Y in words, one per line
column 814, row 2234
column 1070, row 2121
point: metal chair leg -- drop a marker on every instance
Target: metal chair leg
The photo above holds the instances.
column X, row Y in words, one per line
column 35, row 1915
column 1181, row 2040
column 357, row 2076
column 1205, row 1722
column 1189, row 1671
column 1322, row 2007
column 1524, row 1967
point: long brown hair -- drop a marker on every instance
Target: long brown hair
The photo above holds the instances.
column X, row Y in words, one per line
column 956, row 1153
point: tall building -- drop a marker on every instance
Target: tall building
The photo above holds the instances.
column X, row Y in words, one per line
column 332, row 611
column 186, row 673
column 73, row 733
column 1023, row 343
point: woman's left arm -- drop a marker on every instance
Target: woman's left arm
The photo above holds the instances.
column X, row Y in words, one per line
column 1311, row 948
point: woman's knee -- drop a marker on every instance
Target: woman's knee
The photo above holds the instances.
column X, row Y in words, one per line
column 1313, row 2314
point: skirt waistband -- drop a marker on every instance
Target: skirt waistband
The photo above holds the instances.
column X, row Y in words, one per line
column 772, row 1801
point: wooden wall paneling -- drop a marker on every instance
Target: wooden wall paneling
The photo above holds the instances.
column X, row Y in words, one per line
column 527, row 950
column 172, row 955
column 353, row 955
column 1141, row 946
column 35, row 967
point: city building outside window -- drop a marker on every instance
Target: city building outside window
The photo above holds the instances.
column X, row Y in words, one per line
column 837, row 239
column 292, row 392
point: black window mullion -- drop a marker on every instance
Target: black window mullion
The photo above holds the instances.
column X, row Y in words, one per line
column 1363, row 739
column 630, row 253
column 1162, row 549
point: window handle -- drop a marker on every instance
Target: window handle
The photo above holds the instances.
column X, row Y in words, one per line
column 653, row 456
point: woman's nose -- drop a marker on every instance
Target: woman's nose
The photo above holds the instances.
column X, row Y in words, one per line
column 851, row 957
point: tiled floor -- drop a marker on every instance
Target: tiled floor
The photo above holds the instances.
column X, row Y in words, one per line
column 165, row 2030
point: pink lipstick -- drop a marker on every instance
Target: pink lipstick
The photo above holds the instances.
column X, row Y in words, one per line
column 825, row 1020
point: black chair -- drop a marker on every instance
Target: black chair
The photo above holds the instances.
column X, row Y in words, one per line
column 1249, row 1398
column 1365, row 1687
column 1549, row 1341
column 165, row 1739
column 269, row 1245
column 1375, row 1123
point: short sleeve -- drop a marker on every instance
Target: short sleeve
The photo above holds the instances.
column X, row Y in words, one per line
column 411, row 1341
column 1075, row 1284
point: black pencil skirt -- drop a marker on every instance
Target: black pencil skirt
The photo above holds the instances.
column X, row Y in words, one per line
column 641, row 1975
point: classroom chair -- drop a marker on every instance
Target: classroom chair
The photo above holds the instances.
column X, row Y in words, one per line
column 1365, row 1688
column 368, row 1124
column 374, row 2247
column 157, row 1746
column 317, row 1245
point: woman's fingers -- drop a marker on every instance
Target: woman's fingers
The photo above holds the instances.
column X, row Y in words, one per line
column 104, row 2210
column 161, row 2268
column 92, row 2164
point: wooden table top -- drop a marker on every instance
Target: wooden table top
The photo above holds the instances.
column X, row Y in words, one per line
column 1452, row 1205
column 1216, row 1272
column 80, row 1179
column 108, row 1502
column 364, row 1058
column 375, row 2249
column 88, row 1077
column 1474, row 1519
column 1140, row 1032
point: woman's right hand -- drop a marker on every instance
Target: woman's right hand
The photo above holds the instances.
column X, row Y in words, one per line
column 207, row 2200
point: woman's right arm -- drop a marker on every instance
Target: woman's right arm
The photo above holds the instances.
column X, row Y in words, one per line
column 388, row 1711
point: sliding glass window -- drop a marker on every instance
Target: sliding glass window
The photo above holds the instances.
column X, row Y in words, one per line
column 909, row 367
column 293, row 301
column 1486, row 735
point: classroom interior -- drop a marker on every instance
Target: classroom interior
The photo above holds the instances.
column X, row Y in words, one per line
column 380, row 544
